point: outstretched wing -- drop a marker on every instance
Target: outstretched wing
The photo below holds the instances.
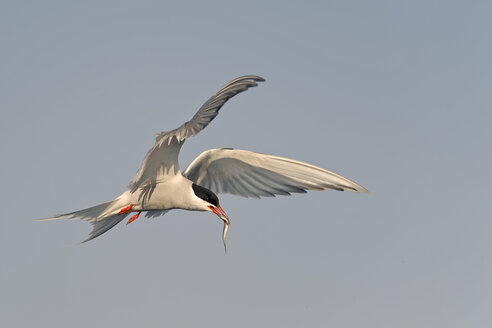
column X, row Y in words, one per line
column 250, row 174
column 162, row 158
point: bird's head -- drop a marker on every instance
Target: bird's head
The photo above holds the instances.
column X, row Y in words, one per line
column 211, row 204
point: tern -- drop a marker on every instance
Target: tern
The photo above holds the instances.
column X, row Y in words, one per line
column 160, row 186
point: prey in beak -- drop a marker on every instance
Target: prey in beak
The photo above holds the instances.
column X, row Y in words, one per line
column 221, row 214
column 212, row 204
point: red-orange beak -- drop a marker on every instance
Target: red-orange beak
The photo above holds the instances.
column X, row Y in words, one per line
column 221, row 214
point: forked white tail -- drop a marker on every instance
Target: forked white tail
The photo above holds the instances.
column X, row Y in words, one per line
column 102, row 217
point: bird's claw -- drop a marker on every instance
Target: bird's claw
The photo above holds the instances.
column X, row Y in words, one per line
column 125, row 209
column 133, row 218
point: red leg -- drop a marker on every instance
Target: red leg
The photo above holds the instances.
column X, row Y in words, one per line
column 133, row 218
column 125, row 209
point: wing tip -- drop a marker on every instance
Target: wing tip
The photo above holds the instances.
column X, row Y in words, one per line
column 355, row 189
column 45, row 219
column 251, row 77
column 360, row 190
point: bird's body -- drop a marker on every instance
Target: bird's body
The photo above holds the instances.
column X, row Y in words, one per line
column 174, row 192
column 171, row 192
column 159, row 185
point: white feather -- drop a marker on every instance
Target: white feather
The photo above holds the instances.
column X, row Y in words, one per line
column 250, row 174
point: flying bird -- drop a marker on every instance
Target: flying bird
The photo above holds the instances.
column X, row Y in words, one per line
column 159, row 184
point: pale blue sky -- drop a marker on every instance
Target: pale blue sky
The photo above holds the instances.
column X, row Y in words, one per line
column 394, row 95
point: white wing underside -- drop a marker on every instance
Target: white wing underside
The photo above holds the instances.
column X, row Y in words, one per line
column 162, row 158
column 249, row 174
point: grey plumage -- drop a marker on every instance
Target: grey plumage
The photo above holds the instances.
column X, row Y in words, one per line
column 249, row 174
column 155, row 214
column 163, row 156
column 93, row 215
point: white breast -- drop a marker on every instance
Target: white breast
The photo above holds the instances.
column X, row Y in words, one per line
column 173, row 192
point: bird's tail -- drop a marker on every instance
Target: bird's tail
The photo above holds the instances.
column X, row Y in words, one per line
column 102, row 217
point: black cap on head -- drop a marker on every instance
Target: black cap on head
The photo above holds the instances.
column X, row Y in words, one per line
column 205, row 194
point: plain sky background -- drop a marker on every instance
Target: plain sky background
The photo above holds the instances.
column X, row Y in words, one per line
column 395, row 95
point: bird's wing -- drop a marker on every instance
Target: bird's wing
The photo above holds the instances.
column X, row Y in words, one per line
column 162, row 158
column 155, row 214
column 250, row 174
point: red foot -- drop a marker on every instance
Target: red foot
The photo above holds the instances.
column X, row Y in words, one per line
column 133, row 218
column 125, row 209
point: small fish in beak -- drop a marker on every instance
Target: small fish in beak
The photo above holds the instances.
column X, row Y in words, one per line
column 221, row 214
